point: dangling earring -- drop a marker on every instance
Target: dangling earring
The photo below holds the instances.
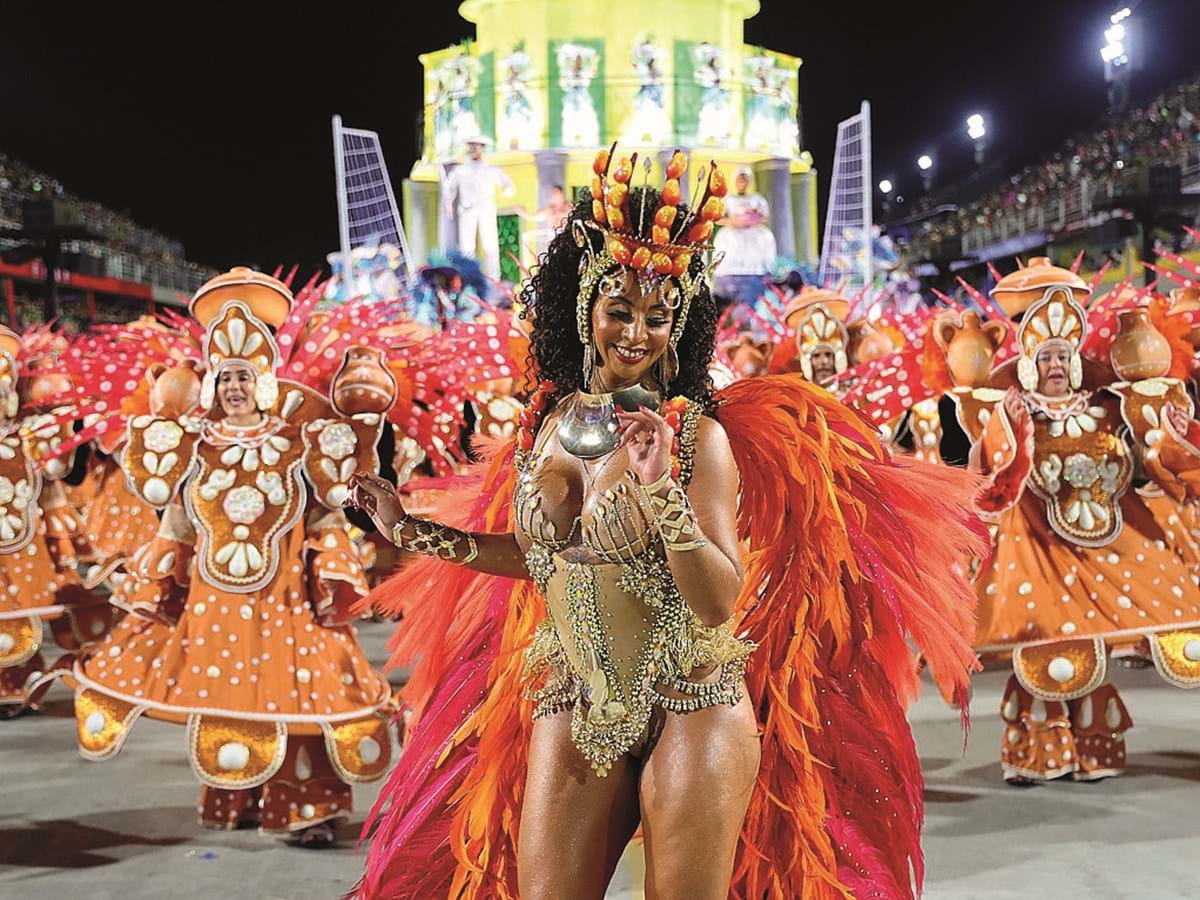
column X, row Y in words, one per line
column 589, row 365
column 1027, row 373
column 1075, row 371
column 668, row 367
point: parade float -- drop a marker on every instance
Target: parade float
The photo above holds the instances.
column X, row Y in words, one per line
column 547, row 84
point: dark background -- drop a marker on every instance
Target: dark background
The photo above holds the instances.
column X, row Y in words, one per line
column 211, row 123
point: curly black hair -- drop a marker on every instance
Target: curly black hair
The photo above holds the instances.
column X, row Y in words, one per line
column 550, row 295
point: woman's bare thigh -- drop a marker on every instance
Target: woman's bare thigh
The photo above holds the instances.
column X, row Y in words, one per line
column 694, row 790
column 574, row 824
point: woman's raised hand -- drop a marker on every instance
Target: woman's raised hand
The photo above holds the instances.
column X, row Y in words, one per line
column 377, row 498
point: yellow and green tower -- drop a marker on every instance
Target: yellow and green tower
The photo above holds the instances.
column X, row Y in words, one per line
column 548, row 82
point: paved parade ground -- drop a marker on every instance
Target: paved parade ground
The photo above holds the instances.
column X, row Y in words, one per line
column 126, row 828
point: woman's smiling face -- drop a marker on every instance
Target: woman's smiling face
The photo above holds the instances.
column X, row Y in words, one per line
column 632, row 330
column 235, row 390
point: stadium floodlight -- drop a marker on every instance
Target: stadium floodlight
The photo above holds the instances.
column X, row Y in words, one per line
column 976, row 129
column 1115, row 50
column 1123, row 52
column 885, row 186
column 925, row 164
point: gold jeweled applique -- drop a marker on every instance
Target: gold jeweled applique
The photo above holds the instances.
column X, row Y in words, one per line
column 615, row 713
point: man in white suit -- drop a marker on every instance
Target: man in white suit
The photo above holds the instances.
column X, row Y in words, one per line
column 470, row 196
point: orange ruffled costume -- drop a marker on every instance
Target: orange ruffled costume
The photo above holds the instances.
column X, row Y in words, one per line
column 39, row 538
column 239, row 604
column 842, row 567
column 1082, row 566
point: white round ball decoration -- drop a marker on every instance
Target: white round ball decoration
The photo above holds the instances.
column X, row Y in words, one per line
column 94, row 724
column 1191, row 650
column 156, row 491
column 233, row 756
column 1061, row 669
column 6, row 643
column 369, row 751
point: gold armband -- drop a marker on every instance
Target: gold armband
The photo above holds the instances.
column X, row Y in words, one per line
column 674, row 517
column 434, row 539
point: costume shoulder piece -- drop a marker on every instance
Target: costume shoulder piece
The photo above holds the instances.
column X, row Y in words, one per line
column 44, row 434
column 157, row 457
column 975, row 408
column 1143, row 405
column 337, row 448
column 20, row 485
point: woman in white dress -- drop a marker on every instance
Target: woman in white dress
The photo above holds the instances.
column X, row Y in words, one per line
column 747, row 242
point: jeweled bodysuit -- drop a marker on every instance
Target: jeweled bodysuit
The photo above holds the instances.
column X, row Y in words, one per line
column 620, row 640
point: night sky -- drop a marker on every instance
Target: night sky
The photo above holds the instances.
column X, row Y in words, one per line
column 216, row 130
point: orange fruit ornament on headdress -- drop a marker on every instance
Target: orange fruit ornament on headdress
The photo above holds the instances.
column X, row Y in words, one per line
column 661, row 253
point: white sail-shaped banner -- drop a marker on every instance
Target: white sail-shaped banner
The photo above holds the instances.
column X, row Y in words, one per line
column 846, row 250
column 368, row 216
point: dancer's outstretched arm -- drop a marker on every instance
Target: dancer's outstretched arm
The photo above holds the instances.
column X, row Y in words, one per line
column 491, row 554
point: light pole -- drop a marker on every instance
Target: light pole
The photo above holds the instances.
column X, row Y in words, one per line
column 1122, row 54
column 977, row 132
column 925, row 163
column 886, row 187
